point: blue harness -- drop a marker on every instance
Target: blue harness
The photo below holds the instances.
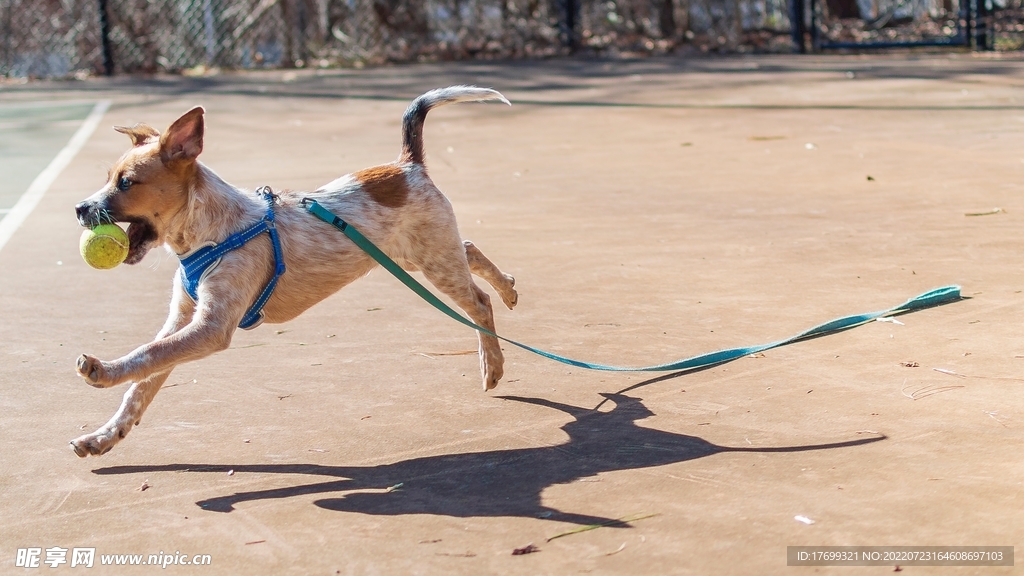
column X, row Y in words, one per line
column 197, row 264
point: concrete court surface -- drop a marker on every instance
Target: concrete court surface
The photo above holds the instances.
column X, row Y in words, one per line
column 31, row 134
column 650, row 210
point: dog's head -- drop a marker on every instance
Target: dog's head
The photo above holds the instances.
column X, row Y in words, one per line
column 150, row 184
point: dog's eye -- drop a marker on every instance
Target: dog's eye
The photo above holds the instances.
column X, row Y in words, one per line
column 124, row 184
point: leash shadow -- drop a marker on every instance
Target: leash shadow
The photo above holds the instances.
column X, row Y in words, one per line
column 495, row 483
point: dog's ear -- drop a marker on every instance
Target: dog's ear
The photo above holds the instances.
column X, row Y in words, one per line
column 183, row 141
column 139, row 133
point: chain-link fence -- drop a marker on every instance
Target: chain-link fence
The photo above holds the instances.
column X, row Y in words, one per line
column 983, row 24
column 890, row 21
column 59, row 38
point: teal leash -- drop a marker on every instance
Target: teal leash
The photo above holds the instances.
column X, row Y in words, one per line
column 935, row 297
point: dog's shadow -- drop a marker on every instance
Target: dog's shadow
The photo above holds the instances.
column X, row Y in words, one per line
column 493, row 483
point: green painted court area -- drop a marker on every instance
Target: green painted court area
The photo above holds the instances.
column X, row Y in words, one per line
column 31, row 135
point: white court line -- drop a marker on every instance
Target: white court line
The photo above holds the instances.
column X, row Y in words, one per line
column 45, row 104
column 28, row 201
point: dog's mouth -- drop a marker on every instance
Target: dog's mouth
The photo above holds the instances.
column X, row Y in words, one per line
column 142, row 234
column 142, row 237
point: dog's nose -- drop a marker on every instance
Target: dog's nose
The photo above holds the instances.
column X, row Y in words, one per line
column 81, row 210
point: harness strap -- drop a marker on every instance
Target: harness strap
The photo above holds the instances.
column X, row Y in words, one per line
column 935, row 297
column 196, row 265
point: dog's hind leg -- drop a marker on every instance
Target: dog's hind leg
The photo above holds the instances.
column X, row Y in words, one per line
column 503, row 283
column 451, row 275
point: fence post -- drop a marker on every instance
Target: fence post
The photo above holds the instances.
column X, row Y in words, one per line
column 571, row 21
column 667, row 19
column 813, row 23
column 288, row 60
column 8, row 58
column 209, row 32
column 967, row 19
column 108, row 51
column 984, row 31
column 737, row 25
column 797, row 11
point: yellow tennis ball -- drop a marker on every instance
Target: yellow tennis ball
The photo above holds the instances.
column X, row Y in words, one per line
column 104, row 247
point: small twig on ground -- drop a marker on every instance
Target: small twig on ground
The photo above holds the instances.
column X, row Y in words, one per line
column 617, row 522
column 985, row 212
column 614, row 552
column 995, row 416
column 926, row 391
column 192, row 381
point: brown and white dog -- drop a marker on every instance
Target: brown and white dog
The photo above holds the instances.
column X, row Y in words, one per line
column 167, row 196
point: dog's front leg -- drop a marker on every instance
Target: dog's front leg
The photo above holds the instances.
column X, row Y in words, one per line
column 138, row 397
column 209, row 330
column 135, row 401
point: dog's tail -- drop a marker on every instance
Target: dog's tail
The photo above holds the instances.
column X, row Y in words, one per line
column 416, row 114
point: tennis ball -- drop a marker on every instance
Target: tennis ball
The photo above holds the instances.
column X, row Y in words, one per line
column 104, row 247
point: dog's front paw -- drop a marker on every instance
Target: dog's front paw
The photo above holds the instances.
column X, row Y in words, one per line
column 94, row 371
column 98, row 443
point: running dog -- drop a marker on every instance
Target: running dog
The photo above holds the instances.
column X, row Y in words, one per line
column 249, row 258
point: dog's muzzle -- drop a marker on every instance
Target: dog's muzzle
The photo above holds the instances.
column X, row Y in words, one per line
column 92, row 213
